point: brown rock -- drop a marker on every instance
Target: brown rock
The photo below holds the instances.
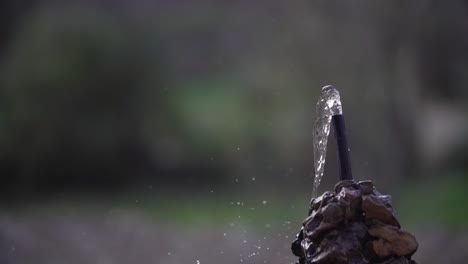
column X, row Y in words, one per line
column 329, row 250
column 323, row 220
column 387, row 199
column 376, row 208
column 358, row 229
column 321, row 201
column 366, row 187
column 399, row 260
column 340, row 223
column 350, row 201
column 311, row 224
column 342, row 245
column 346, row 184
column 349, row 194
column 382, row 248
column 392, row 241
column 329, row 256
column 333, row 215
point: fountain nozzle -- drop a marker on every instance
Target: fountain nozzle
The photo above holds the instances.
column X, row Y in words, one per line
column 342, row 146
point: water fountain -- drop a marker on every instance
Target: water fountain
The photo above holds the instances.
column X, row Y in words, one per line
column 354, row 223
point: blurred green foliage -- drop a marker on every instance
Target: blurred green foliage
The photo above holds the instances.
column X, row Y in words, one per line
column 438, row 201
column 73, row 87
column 211, row 114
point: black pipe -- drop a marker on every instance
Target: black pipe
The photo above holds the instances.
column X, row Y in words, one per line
column 343, row 149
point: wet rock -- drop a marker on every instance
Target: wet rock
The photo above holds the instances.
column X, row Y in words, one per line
column 332, row 254
column 398, row 260
column 350, row 201
column 350, row 184
column 349, row 194
column 341, row 246
column 355, row 224
column 322, row 200
column 367, row 187
column 387, row 199
column 333, row 215
column 327, row 218
column 296, row 247
column 375, row 207
column 392, row 241
column 311, row 224
column 359, row 230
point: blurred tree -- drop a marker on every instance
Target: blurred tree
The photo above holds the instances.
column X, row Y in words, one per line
column 74, row 87
column 11, row 14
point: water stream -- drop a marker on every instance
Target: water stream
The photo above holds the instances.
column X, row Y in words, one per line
column 328, row 105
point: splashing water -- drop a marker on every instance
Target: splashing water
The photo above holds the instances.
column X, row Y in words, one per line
column 328, row 105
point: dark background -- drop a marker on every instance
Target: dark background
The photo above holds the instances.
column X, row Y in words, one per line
column 181, row 131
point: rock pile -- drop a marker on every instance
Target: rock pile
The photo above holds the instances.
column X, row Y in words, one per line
column 354, row 224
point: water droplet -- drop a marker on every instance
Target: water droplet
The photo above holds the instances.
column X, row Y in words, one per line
column 264, row 202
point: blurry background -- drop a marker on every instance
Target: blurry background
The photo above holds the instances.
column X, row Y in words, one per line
column 181, row 131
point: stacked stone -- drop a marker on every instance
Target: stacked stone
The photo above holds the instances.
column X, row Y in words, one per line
column 355, row 224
